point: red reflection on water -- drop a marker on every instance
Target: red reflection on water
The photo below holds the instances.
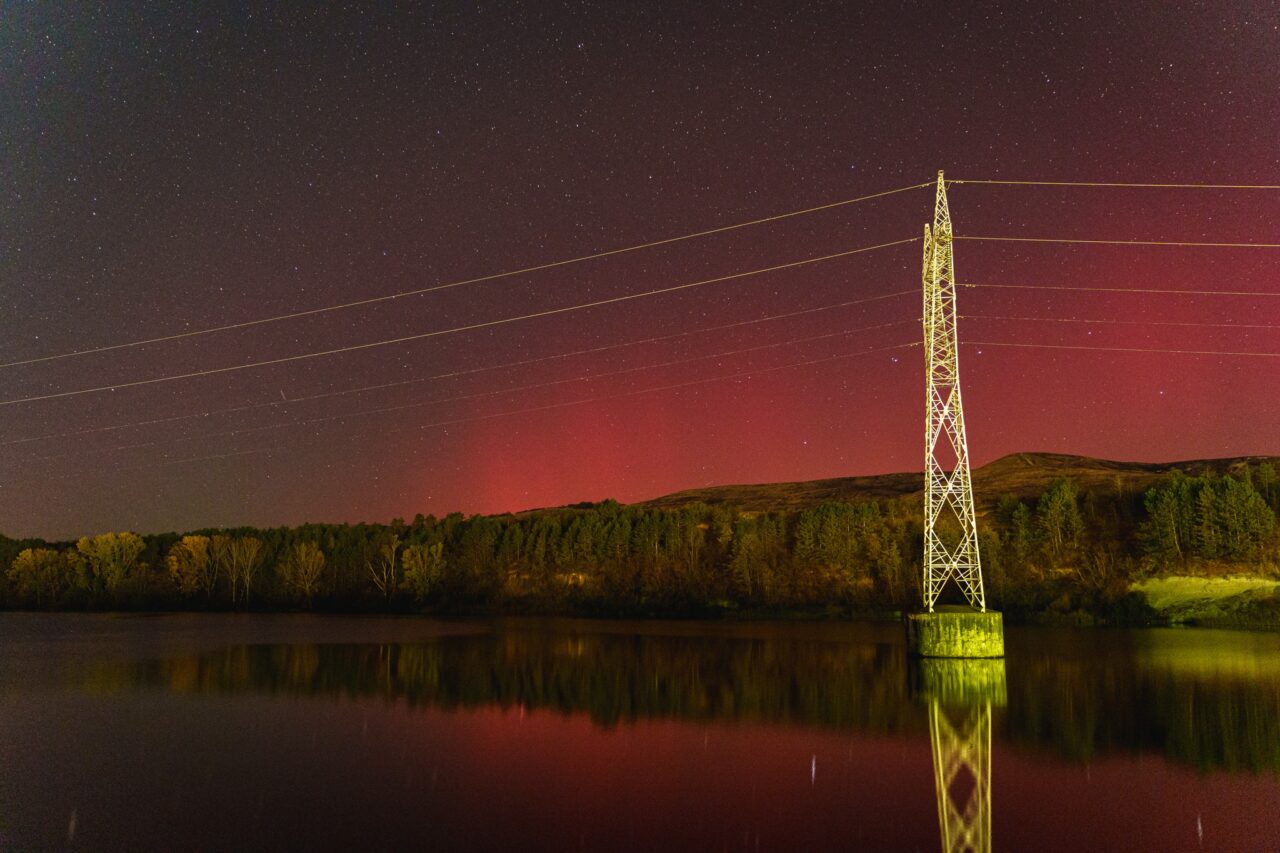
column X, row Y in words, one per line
column 670, row 785
column 1141, row 803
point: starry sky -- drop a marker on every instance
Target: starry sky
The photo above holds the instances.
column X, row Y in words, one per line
column 169, row 168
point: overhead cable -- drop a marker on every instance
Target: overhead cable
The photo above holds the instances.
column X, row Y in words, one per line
column 463, row 282
column 1121, row 184
column 1088, row 289
column 1120, row 349
column 1186, row 243
column 1115, row 322
column 587, row 377
column 288, row 401
column 439, row 332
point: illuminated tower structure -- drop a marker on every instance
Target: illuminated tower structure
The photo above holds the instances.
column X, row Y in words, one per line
column 950, row 523
column 945, row 445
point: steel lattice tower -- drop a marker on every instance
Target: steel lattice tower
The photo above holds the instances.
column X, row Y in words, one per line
column 947, row 494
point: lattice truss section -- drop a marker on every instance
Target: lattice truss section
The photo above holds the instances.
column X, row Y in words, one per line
column 962, row 777
column 948, row 492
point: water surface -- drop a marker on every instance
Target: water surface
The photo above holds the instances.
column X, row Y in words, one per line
column 308, row 733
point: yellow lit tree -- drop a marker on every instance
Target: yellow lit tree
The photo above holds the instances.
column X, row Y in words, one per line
column 303, row 567
column 110, row 560
column 191, row 567
column 39, row 573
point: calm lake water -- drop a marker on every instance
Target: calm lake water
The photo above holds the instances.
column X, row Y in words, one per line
column 306, row 733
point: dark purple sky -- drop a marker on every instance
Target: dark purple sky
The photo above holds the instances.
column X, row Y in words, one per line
column 170, row 169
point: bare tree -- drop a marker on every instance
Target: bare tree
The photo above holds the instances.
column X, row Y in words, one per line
column 244, row 556
column 220, row 561
column 385, row 568
column 303, row 567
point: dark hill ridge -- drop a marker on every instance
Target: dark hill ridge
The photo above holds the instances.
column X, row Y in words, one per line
column 1023, row 474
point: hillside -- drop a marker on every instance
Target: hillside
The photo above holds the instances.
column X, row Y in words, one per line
column 1025, row 475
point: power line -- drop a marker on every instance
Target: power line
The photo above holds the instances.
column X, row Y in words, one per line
column 439, row 332
column 606, row 397
column 1122, row 289
column 184, row 460
column 732, row 376
column 468, row 281
column 187, row 459
column 1120, row 184
column 453, row 374
column 480, row 394
column 1124, row 242
column 1124, row 322
column 1120, row 349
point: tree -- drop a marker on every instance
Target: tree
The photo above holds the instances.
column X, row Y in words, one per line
column 1163, row 534
column 220, row 561
column 1208, row 524
column 1268, row 484
column 1058, row 519
column 385, row 567
column 111, row 558
column 191, row 566
column 301, row 570
column 39, row 573
column 1021, row 536
column 745, row 562
column 1244, row 519
column 474, row 568
column 423, row 568
column 244, row 556
column 1211, row 517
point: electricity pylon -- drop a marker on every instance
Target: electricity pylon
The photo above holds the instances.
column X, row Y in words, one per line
column 946, row 494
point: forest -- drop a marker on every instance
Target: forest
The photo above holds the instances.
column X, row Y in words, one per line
column 1065, row 551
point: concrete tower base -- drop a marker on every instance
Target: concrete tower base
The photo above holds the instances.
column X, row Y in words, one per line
column 955, row 631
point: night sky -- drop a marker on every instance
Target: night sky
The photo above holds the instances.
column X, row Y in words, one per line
column 166, row 168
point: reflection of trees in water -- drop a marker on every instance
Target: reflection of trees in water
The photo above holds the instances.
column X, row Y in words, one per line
column 1078, row 704
column 1088, row 704
column 610, row 677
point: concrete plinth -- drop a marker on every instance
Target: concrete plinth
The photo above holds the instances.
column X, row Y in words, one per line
column 953, row 631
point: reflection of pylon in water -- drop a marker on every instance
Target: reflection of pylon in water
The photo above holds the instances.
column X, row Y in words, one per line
column 962, row 776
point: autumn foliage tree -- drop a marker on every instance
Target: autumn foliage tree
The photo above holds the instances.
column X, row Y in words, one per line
column 302, row 569
column 39, row 574
column 108, row 561
column 191, row 566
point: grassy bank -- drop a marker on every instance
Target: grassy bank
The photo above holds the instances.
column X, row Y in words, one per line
column 1247, row 601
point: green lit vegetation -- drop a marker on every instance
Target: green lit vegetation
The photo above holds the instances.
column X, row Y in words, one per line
column 1076, row 546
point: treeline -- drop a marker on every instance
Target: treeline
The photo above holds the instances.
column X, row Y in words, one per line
column 1081, row 551
column 1064, row 550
